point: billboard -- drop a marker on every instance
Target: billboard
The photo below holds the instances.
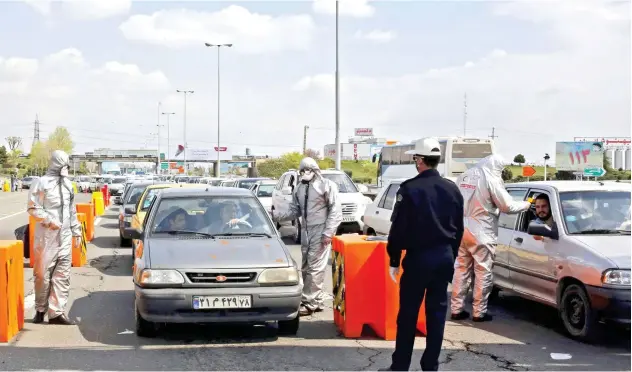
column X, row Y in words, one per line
column 575, row 156
column 364, row 132
column 350, row 151
column 208, row 154
column 236, row 168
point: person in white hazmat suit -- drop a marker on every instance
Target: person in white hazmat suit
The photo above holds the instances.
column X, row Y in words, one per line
column 51, row 202
column 484, row 198
column 315, row 201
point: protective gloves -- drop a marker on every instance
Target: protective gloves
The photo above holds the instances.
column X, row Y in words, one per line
column 393, row 271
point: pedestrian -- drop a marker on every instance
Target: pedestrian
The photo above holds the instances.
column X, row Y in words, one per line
column 427, row 222
column 316, row 203
column 485, row 196
column 51, row 202
column 13, row 182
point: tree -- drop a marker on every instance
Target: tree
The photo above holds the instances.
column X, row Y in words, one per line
column 60, row 140
column 519, row 159
column 314, row 154
column 4, row 157
column 39, row 156
column 507, row 174
column 14, row 142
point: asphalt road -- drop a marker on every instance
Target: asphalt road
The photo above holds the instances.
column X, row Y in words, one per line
column 523, row 335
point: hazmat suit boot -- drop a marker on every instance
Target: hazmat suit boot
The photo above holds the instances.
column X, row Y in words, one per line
column 460, row 315
column 61, row 320
column 482, row 318
column 39, row 317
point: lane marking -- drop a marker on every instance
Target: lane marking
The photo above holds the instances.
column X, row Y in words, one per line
column 11, row 215
column 96, row 222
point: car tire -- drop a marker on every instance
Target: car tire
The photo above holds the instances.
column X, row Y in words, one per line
column 289, row 327
column 143, row 327
column 297, row 233
column 577, row 315
column 494, row 294
column 124, row 242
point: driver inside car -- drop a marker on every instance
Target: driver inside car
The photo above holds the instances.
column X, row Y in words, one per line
column 228, row 220
column 175, row 221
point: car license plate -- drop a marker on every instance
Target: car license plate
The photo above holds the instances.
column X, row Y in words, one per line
column 348, row 219
column 222, row 302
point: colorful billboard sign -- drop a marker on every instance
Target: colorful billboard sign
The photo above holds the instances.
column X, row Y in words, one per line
column 364, row 132
column 576, row 156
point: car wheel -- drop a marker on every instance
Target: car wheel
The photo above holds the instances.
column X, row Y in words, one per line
column 289, row 327
column 578, row 317
column 124, row 242
column 143, row 327
column 493, row 295
column 297, row 233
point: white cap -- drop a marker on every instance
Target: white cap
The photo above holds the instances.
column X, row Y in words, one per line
column 428, row 146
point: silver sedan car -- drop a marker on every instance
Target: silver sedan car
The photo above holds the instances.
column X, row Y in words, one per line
column 212, row 255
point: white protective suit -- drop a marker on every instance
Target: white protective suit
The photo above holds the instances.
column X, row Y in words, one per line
column 51, row 201
column 317, row 205
column 484, row 197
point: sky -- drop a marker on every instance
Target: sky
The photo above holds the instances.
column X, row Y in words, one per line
column 535, row 72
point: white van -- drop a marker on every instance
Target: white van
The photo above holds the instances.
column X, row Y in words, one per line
column 352, row 200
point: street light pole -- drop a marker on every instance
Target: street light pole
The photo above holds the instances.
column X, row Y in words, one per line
column 159, row 168
column 168, row 134
column 338, row 155
column 209, row 45
column 185, row 92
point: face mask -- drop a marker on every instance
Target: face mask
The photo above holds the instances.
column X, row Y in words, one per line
column 64, row 171
column 307, row 175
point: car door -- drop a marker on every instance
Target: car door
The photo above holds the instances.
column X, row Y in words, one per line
column 384, row 210
column 532, row 261
column 371, row 212
column 277, row 195
column 506, row 227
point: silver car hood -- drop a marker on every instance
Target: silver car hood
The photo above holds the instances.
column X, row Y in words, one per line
column 194, row 253
column 616, row 248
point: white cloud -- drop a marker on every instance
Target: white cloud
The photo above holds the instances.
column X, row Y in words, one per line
column 250, row 33
column 582, row 89
column 81, row 10
column 378, row 36
column 353, row 8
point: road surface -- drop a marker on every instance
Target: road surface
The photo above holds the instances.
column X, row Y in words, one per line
column 523, row 336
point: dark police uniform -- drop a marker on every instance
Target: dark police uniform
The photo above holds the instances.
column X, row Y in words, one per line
column 427, row 222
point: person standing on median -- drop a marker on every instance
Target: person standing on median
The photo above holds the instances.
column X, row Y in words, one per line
column 51, row 202
column 427, row 223
column 485, row 196
column 315, row 201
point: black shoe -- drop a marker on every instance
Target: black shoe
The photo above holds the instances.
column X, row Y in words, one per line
column 305, row 311
column 61, row 320
column 460, row 316
column 39, row 317
column 484, row 318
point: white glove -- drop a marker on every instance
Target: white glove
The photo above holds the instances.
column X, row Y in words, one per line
column 393, row 271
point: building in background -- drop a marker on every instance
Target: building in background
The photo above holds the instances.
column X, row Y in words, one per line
column 362, row 146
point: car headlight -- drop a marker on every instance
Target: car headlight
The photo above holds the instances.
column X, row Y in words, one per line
column 160, row 277
column 616, row 277
column 286, row 275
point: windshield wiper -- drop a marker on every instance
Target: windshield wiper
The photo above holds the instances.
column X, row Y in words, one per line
column 185, row 232
column 243, row 234
column 600, row 231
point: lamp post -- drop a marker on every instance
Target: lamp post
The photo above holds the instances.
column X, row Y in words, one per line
column 338, row 155
column 546, row 158
column 185, row 92
column 168, row 134
column 158, row 125
column 219, row 46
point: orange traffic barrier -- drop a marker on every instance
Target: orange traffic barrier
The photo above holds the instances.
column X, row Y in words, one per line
column 11, row 289
column 364, row 293
column 88, row 210
column 80, row 252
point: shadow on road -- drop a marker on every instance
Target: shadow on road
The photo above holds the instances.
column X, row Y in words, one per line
column 114, row 226
column 107, row 242
column 114, row 265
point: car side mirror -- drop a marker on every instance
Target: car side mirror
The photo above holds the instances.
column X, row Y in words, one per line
column 542, row 230
column 286, row 191
column 133, row 233
column 130, row 210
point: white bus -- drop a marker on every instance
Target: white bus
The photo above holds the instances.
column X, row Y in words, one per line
column 457, row 155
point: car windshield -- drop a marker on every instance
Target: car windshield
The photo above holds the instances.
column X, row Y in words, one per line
column 134, row 194
column 246, row 184
column 119, row 180
column 591, row 212
column 345, row 185
column 215, row 182
column 151, row 194
column 265, row 191
column 212, row 215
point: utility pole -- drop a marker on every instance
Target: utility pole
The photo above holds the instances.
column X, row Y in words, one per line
column 465, row 114
column 493, row 135
column 168, row 134
column 185, row 92
column 305, row 128
column 338, row 150
column 159, row 166
column 219, row 46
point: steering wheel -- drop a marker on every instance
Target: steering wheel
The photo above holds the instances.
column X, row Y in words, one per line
column 239, row 222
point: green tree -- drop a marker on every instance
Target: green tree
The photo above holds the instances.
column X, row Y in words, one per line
column 519, row 159
column 60, row 139
column 39, row 156
column 507, row 174
column 4, row 156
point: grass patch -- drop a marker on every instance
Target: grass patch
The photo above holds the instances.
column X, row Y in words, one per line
column 362, row 171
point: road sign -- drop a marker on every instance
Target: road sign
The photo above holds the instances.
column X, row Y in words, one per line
column 162, row 156
column 220, row 148
column 164, row 165
column 528, row 171
column 594, row 172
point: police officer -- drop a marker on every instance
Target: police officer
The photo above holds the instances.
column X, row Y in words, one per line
column 427, row 222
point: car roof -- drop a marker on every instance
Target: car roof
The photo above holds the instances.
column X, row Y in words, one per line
column 271, row 182
column 562, row 186
column 253, row 179
column 174, row 185
column 206, row 191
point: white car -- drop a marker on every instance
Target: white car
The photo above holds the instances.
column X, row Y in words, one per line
column 263, row 191
column 377, row 216
column 352, row 200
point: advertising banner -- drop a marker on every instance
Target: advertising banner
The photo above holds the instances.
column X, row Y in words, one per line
column 208, row 154
column 363, row 132
column 576, row 156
